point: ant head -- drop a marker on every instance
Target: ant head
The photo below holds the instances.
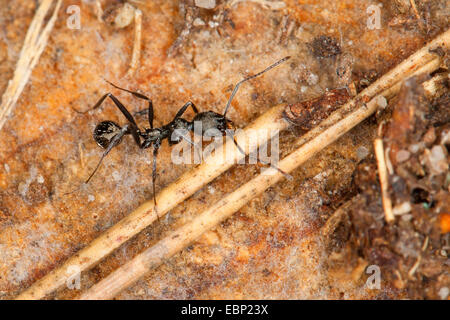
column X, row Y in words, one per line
column 104, row 132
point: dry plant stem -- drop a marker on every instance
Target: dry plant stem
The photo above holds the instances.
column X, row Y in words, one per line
column 182, row 237
column 384, row 180
column 137, row 42
column 193, row 180
column 34, row 44
column 167, row 199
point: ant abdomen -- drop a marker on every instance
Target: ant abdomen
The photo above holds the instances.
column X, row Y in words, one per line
column 104, row 132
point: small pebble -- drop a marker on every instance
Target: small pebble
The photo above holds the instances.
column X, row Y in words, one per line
column 91, row 198
column 437, row 160
column 402, row 155
column 444, row 292
column 207, row 4
column 401, row 209
column 362, row 153
column 382, row 102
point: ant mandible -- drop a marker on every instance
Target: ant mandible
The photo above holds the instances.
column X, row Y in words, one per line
column 109, row 134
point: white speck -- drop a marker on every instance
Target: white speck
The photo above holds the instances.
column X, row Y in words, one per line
column 211, row 189
column 91, row 198
column 198, row 22
column 312, row 79
column 6, row 167
column 350, row 43
column 213, row 24
column 40, row 179
column 303, row 89
column 116, row 176
column 444, row 292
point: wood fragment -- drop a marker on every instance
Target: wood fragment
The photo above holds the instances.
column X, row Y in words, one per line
column 33, row 46
column 384, row 178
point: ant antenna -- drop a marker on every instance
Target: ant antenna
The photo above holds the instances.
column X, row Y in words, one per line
column 236, row 87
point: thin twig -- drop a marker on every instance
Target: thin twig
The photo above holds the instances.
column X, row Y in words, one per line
column 193, row 180
column 384, row 180
column 34, row 44
column 137, row 42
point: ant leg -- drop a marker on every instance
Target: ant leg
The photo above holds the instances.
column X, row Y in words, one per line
column 139, row 96
column 114, row 142
column 236, row 87
column 184, row 108
column 155, row 154
column 286, row 175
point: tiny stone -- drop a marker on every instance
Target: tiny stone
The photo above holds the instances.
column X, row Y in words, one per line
column 414, row 148
column 401, row 209
column 437, row 159
column 207, row 4
column 362, row 153
column 91, row 198
column 444, row 292
column 6, row 167
column 402, row 155
column 303, row 89
column 382, row 102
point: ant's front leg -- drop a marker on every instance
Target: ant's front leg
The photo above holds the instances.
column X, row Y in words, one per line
column 156, row 146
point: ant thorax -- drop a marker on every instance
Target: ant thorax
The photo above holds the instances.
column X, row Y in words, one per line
column 210, row 122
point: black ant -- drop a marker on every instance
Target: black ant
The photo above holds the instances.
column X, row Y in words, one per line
column 109, row 134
